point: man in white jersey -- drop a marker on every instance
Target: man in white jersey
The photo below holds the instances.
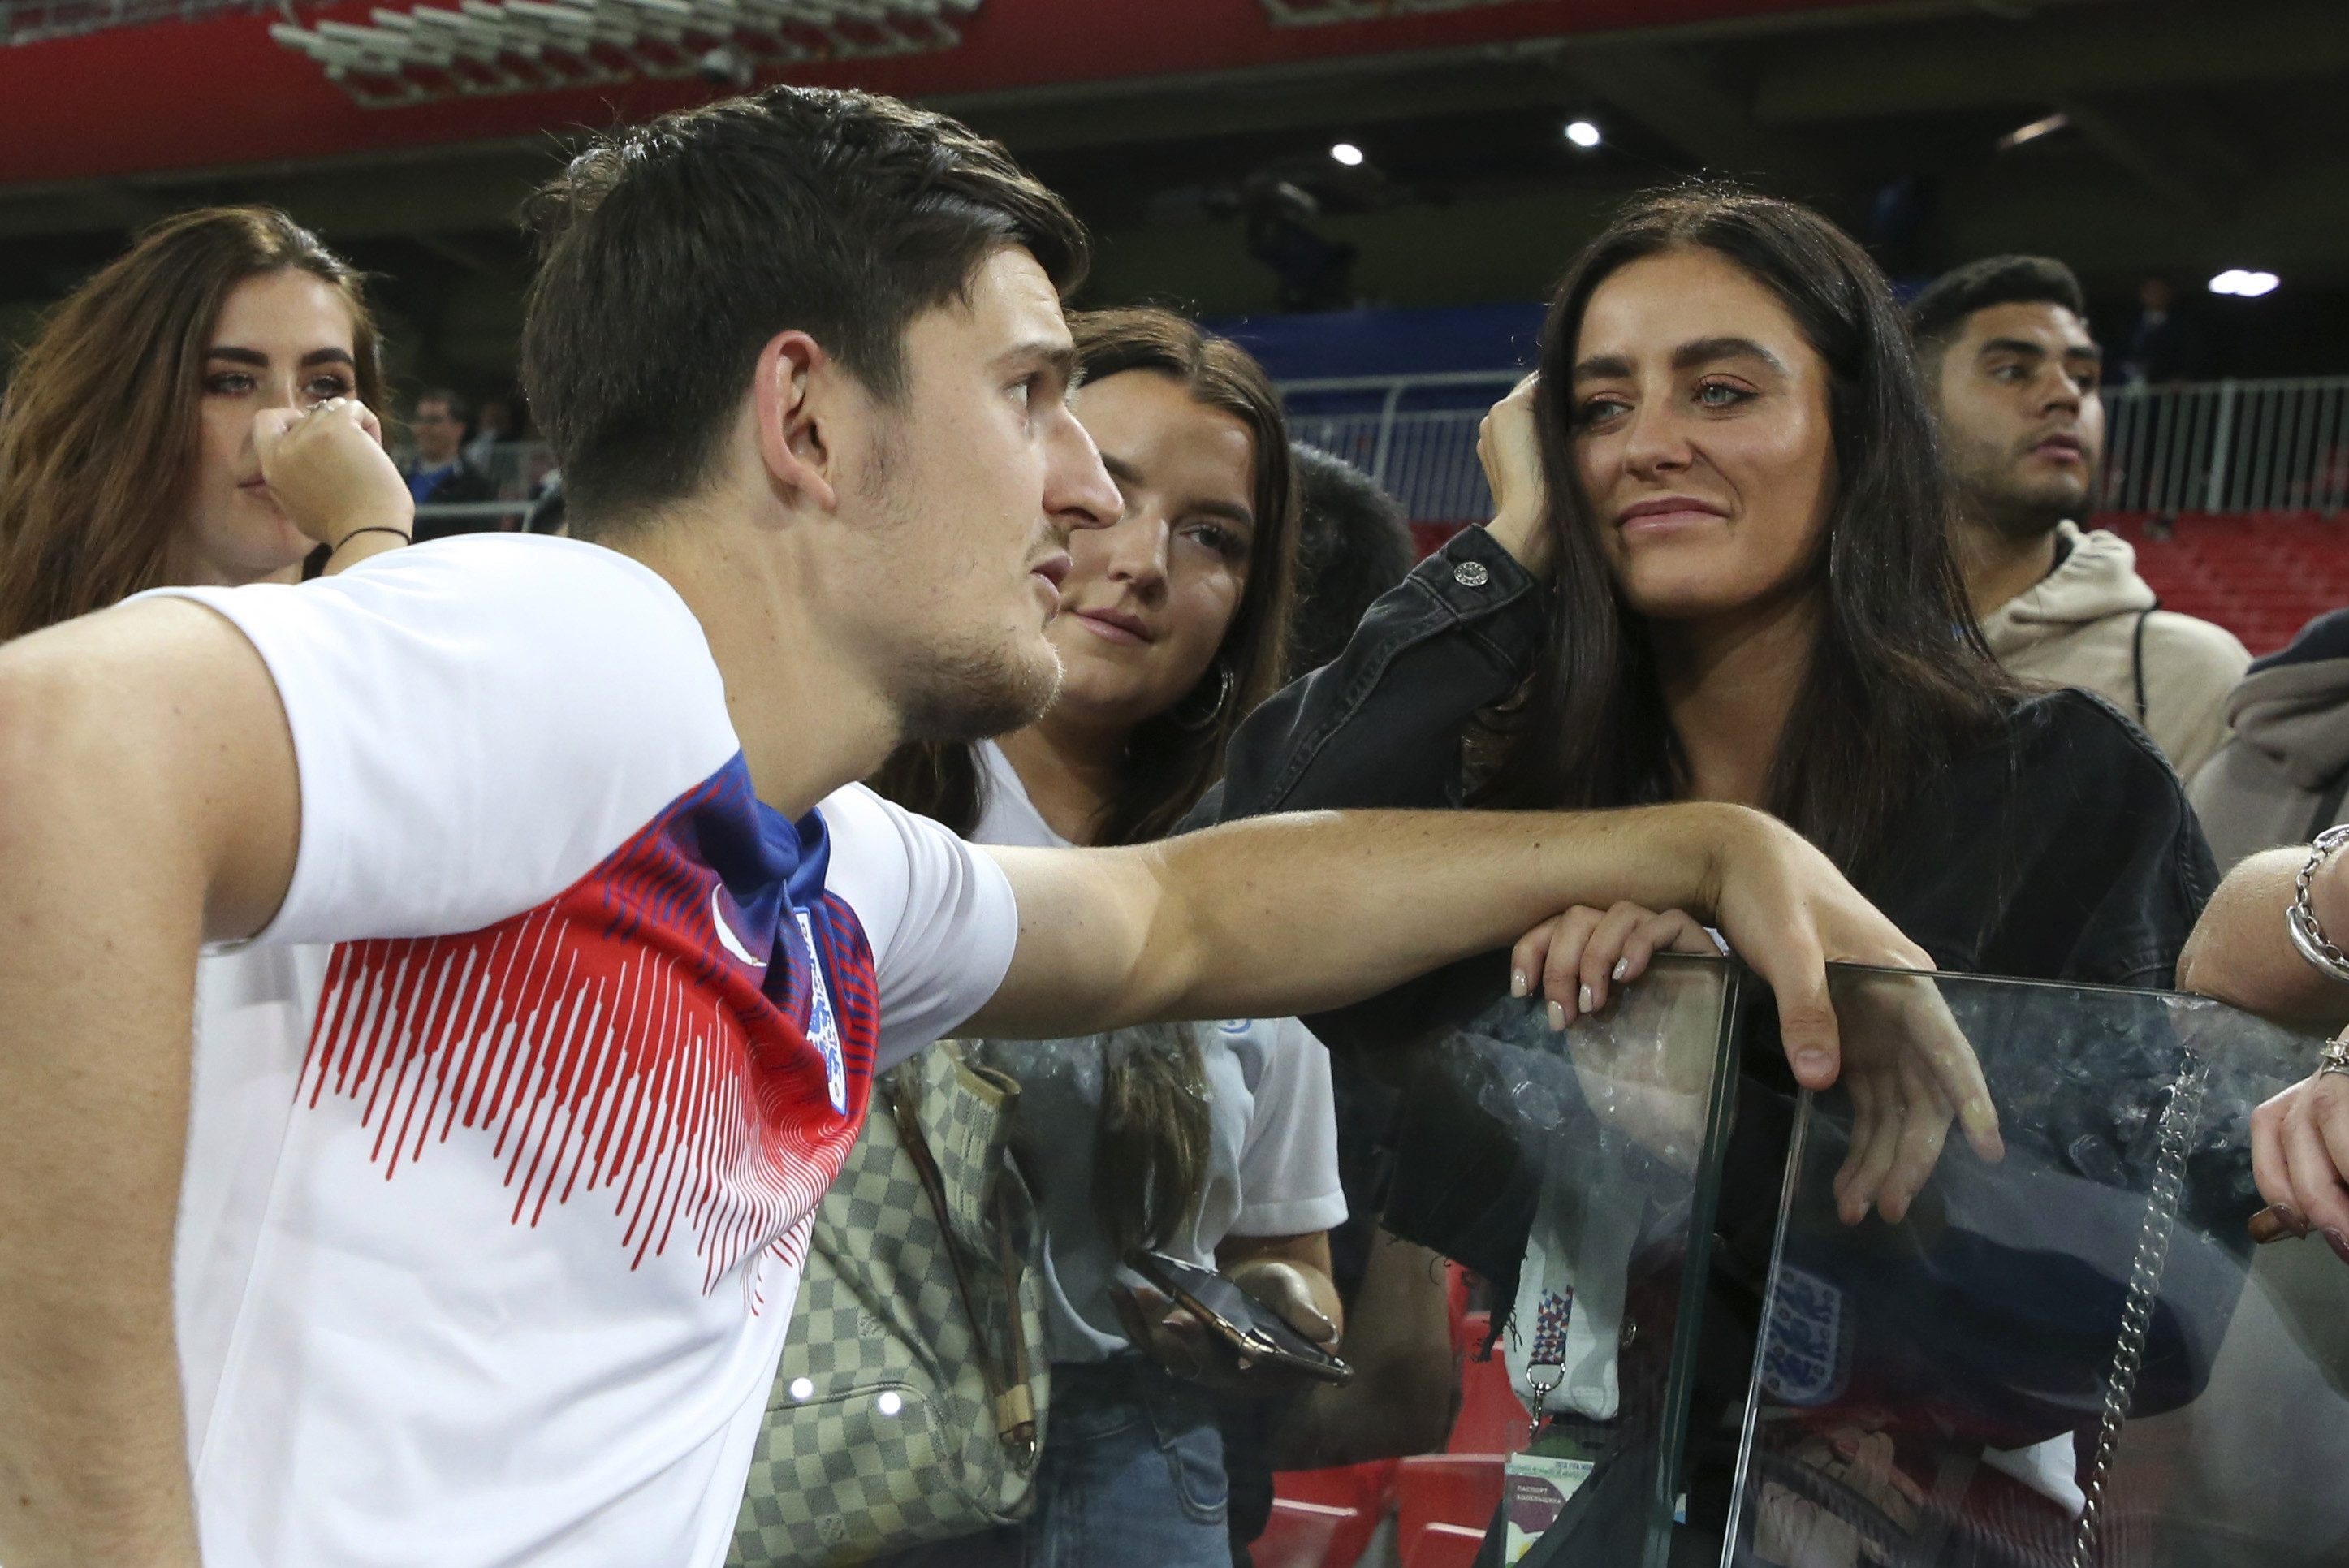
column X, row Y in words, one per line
column 596, row 945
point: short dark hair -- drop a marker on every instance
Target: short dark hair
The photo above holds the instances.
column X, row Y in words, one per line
column 454, row 402
column 1171, row 758
column 671, row 252
column 1939, row 312
column 1353, row 544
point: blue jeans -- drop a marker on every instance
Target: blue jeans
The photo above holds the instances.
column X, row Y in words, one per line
column 1132, row 1473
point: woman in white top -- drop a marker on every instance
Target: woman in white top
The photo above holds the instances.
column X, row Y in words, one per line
column 1215, row 1143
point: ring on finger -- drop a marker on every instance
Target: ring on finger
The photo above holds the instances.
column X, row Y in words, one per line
column 2334, row 1057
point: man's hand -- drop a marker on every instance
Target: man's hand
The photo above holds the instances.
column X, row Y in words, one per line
column 330, row 475
column 1901, row 1057
column 1509, row 448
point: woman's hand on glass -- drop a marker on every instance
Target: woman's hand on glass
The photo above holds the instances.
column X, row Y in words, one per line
column 2300, row 1150
column 1510, row 450
column 1575, row 958
column 330, row 475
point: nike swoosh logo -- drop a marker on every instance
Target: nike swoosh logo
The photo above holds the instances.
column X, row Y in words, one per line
column 726, row 936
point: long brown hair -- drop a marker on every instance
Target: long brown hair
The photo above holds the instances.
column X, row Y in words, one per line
column 1899, row 677
column 1151, row 1142
column 99, row 429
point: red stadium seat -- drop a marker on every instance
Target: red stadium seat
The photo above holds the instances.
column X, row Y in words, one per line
column 1492, row 1418
column 1302, row 1534
column 1461, row 1490
column 1446, row 1546
column 1364, row 1492
column 2262, row 575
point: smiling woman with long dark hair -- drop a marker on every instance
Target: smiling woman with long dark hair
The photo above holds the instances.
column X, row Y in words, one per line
column 1720, row 570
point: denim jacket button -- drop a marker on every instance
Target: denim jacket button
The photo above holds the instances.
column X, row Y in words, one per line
column 1471, row 575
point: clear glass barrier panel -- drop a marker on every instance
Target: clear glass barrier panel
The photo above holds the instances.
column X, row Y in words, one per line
column 1593, row 1155
column 2073, row 1356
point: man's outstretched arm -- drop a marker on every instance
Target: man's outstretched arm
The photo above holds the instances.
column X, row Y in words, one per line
column 1293, row 915
column 139, row 813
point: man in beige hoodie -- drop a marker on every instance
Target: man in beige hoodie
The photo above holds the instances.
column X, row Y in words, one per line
column 2014, row 371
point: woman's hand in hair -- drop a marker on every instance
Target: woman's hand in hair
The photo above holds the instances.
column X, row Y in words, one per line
column 1578, row 956
column 330, row 475
column 1510, row 450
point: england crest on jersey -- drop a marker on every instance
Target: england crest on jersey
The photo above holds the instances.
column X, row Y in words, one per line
column 822, row 1028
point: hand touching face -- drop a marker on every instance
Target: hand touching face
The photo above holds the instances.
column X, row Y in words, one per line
column 283, row 340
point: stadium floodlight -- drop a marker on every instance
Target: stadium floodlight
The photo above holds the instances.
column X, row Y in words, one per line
column 2023, row 135
column 1347, row 154
column 2244, row 284
column 1583, row 133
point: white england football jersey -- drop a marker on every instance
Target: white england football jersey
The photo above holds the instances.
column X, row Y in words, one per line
column 507, row 1131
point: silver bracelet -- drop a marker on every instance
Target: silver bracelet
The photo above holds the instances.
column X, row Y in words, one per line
column 2307, row 936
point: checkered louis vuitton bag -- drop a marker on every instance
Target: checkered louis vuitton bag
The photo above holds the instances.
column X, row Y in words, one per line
column 909, row 1406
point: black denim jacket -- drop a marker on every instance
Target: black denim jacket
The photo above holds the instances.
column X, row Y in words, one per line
column 2062, row 849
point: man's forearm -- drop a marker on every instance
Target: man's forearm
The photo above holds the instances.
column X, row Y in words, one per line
column 2240, row 952
column 147, row 790
column 96, row 971
column 1355, row 903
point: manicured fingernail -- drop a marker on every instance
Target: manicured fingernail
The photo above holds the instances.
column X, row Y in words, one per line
column 1556, row 1016
column 1582, row 999
column 2277, row 1222
column 1621, row 966
column 1811, row 1061
column 2339, row 1243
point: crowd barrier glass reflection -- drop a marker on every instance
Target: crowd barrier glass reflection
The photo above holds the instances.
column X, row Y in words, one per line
column 2071, row 1357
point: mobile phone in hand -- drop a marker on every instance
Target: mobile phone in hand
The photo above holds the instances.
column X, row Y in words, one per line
column 1244, row 1324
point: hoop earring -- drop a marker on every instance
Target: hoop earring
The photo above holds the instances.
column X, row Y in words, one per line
column 1188, row 715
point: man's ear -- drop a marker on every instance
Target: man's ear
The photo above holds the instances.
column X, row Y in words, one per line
column 786, row 394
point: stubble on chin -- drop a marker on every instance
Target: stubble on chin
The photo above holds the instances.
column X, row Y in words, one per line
column 1993, row 495
column 977, row 693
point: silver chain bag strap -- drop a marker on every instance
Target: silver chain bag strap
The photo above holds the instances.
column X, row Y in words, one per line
column 2180, row 1117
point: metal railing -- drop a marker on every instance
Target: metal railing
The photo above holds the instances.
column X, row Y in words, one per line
column 30, row 21
column 1416, row 435
column 2228, row 446
column 2220, row 446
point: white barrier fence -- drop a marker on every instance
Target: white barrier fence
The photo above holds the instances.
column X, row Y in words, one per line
column 2228, row 446
column 2220, row 446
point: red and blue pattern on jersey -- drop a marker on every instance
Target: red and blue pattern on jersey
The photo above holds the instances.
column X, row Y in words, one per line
column 685, row 1032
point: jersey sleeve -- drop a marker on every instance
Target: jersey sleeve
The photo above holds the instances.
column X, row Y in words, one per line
column 1288, row 1165
column 477, row 723
column 940, row 916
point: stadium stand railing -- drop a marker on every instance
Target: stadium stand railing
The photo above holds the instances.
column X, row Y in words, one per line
column 2231, row 492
